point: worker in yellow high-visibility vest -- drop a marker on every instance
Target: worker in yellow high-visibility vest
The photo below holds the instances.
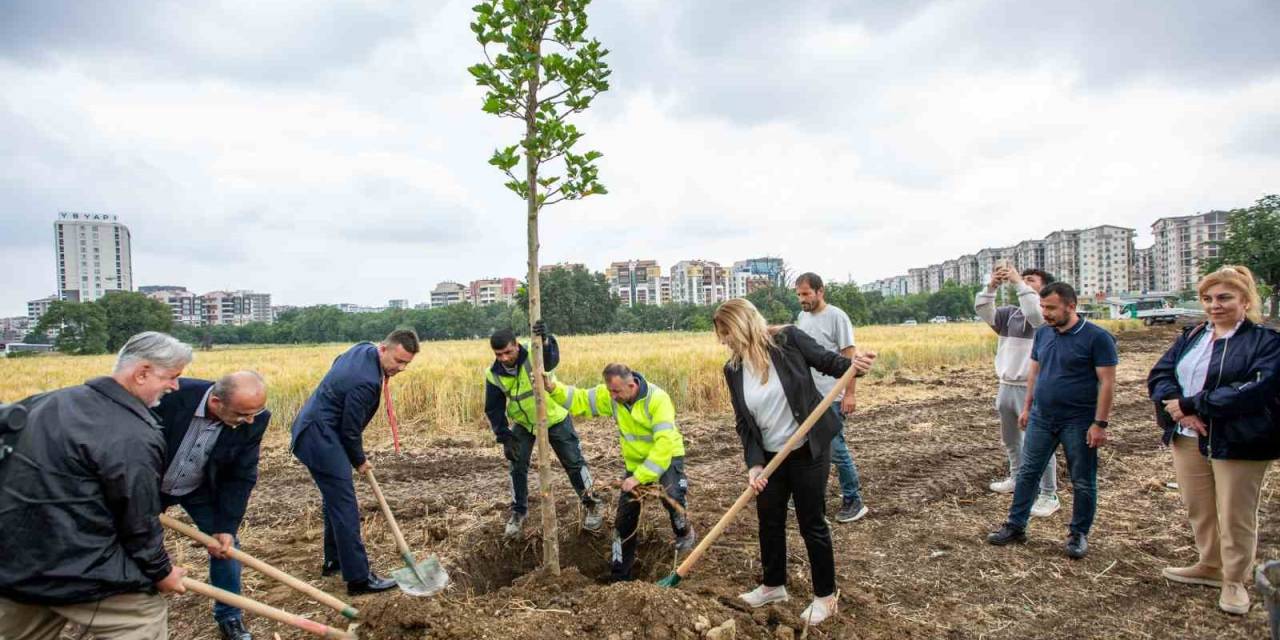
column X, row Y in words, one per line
column 652, row 452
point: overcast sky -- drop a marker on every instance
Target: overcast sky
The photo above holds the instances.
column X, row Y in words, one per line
column 336, row 152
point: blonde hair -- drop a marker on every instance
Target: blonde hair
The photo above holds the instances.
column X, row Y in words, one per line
column 746, row 333
column 1239, row 279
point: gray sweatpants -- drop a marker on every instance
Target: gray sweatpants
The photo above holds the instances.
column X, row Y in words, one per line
column 1009, row 401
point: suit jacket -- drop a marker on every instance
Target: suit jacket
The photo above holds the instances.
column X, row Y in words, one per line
column 339, row 410
column 232, row 469
column 795, row 354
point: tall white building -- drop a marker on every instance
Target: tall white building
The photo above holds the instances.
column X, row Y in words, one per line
column 37, row 308
column 448, row 292
column 235, row 308
column 94, row 255
column 1182, row 245
column 636, row 282
column 699, row 282
column 1105, row 260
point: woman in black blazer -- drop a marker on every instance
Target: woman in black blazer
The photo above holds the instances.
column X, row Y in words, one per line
column 1215, row 394
column 772, row 390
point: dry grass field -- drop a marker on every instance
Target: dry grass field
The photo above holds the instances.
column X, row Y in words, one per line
column 443, row 390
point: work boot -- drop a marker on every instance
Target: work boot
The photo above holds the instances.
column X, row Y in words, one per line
column 851, row 509
column 1045, row 506
column 1077, row 546
column 1234, row 598
column 1194, row 574
column 514, row 524
column 1002, row 486
column 593, row 519
column 372, row 584
column 1006, row 535
column 330, row 568
column 762, row 595
column 687, row 541
column 233, row 629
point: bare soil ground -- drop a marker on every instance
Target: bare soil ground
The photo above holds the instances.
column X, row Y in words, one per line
column 917, row 567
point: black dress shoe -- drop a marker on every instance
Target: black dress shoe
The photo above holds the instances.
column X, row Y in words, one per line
column 372, row 584
column 330, row 568
column 1006, row 535
column 1077, row 545
column 233, row 629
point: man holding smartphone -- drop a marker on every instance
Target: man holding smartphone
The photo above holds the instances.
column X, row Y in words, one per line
column 1016, row 326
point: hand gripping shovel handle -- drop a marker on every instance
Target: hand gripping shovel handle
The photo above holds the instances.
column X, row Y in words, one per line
column 266, row 611
column 749, row 493
column 263, row 568
column 401, row 545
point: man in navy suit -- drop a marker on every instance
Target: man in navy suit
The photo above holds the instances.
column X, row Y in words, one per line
column 328, row 437
column 213, row 433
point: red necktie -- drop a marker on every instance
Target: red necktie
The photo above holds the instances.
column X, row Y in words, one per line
column 391, row 412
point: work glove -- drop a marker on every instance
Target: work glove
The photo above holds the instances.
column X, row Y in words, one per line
column 503, row 435
column 540, row 328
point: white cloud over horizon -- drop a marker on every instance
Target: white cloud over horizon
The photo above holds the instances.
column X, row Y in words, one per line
column 337, row 153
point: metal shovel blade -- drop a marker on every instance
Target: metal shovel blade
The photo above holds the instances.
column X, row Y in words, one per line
column 425, row 578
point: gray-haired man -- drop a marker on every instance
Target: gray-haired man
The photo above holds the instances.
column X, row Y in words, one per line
column 213, row 431
column 1016, row 326
column 82, row 542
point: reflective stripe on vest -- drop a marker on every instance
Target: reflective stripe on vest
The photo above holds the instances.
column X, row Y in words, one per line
column 663, row 426
column 634, row 438
column 591, row 402
column 653, row 466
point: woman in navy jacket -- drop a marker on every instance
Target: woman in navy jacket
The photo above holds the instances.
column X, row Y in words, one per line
column 772, row 392
column 1215, row 394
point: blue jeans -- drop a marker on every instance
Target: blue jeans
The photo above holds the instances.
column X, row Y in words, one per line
column 1038, row 444
column 223, row 573
column 850, row 484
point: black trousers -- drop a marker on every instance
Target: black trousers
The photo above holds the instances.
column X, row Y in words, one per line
column 564, row 443
column 627, row 518
column 805, row 478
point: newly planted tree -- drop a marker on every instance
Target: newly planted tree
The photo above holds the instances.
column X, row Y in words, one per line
column 541, row 69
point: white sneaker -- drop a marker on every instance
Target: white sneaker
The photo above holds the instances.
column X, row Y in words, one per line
column 1045, row 506
column 762, row 595
column 1003, row 486
column 819, row 610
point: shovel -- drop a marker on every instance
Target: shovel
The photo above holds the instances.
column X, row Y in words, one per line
column 262, row 567
column 416, row 578
column 685, row 567
column 267, row 611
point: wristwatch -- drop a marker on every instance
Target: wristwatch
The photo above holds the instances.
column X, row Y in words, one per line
column 1102, row 423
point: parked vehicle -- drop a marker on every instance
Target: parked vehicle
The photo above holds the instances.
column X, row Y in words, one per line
column 938, row 320
column 909, row 322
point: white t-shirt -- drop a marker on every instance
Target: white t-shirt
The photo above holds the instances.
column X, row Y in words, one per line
column 768, row 405
column 832, row 330
column 1193, row 369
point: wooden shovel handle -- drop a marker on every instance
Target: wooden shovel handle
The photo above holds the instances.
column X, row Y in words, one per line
column 266, row 610
column 747, row 495
column 261, row 567
column 401, row 545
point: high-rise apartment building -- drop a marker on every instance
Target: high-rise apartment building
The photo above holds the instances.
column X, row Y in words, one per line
column 1182, row 245
column 492, row 291
column 1062, row 256
column 93, row 255
column 447, row 293
column 1144, row 274
column 185, row 306
column 235, row 308
column 774, row 269
column 37, row 308
column 699, row 282
column 1104, row 260
column 1028, row 254
column 636, row 282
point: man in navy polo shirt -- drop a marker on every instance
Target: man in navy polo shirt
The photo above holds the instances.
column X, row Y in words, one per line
column 1069, row 393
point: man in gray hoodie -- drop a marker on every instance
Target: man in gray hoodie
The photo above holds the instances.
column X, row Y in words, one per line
column 1016, row 326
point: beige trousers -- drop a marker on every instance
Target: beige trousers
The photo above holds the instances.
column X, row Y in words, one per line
column 128, row 616
column 1222, row 503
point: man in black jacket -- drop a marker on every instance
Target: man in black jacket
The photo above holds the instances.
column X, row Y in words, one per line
column 81, row 540
column 213, row 432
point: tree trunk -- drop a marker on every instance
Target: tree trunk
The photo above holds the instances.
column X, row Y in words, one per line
column 550, row 530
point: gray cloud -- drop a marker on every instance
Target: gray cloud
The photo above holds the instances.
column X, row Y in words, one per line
column 254, row 42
